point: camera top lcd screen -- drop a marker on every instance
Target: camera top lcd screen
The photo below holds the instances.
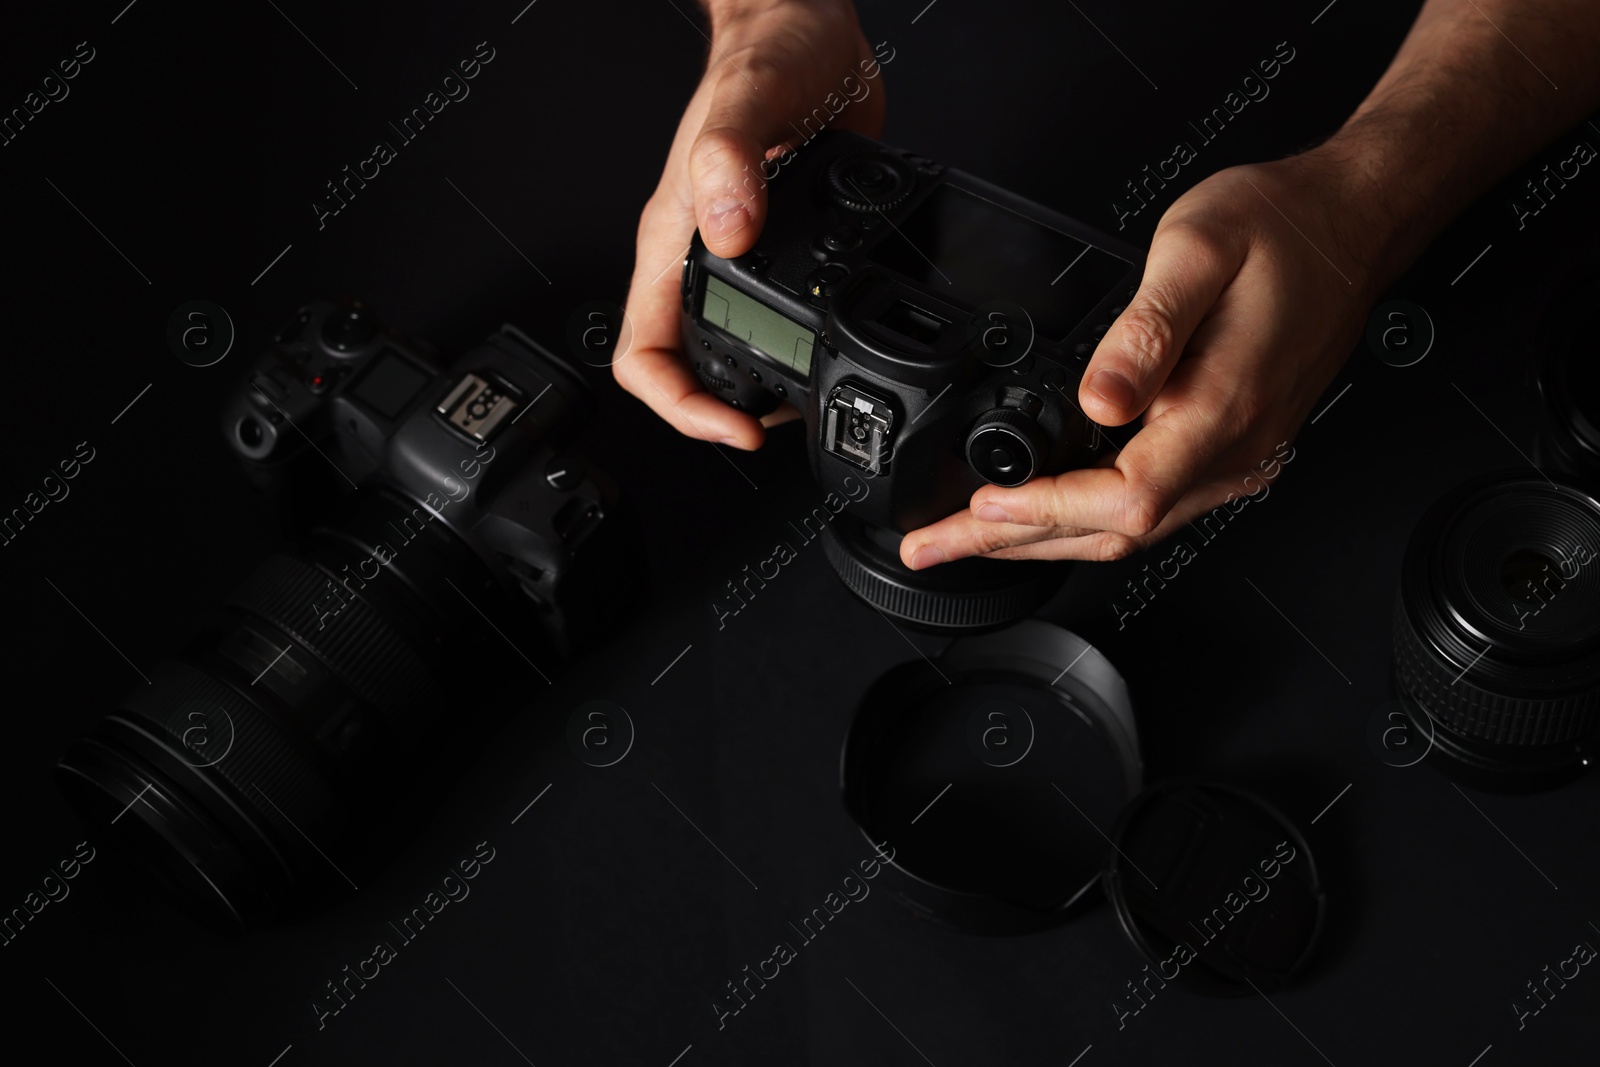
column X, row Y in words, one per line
column 388, row 384
column 957, row 242
column 774, row 335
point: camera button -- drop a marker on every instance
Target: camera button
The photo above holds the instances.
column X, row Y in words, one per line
column 1083, row 349
column 755, row 375
column 842, row 239
column 730, row 361
column 1055, row 379
column 824, row 279
column 780, row 389
column 705, row 344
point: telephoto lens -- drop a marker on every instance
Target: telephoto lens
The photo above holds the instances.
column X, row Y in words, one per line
column 1497, row 631
column 273, row 761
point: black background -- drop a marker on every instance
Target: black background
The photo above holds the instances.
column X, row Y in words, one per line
column 196, row 140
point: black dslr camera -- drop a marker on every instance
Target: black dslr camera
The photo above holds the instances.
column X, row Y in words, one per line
column 931, row 328
column 276, row 755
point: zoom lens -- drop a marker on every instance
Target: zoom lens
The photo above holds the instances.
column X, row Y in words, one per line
column 250, row 773
column 1497, row 628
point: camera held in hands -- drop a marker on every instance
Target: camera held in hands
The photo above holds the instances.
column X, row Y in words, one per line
column 279, row 752
column 932, row 329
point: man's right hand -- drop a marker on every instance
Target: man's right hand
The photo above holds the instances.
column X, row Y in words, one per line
column 776, row 69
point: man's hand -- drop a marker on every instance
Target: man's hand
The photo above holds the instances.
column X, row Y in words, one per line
column 1258, row 279
column 1255, row 291
column 776, row 70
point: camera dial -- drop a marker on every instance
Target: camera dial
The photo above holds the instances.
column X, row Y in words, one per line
column 1006, row 447
column 869, row 182
column 348, row 328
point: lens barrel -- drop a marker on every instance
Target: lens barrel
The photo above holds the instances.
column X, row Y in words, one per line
column 1497, row 627
column 250, row 773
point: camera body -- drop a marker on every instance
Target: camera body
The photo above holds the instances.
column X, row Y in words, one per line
column 931, row 328
column 352, row 674
column 473, row 447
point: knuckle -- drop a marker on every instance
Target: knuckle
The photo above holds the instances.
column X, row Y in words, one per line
column 714, row 150
column 1112, row 547
column 1145, row 333
column 1142, row 509
column 1204, row 240
column 626, row 373
column 989, row 539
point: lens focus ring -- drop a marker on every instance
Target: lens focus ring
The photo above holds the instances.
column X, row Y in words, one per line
column 1451, row 695
column 360, row 646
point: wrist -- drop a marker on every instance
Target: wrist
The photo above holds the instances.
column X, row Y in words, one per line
column 1385, row 208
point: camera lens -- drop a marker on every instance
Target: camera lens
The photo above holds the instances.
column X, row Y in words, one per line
column 248, row 772
column 963, row 596
column 1497, row 627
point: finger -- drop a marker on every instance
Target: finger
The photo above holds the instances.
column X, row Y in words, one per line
column 1186, row 271
column 785, row 413
column 728, row 165
column 961, row 535
column 1160, row 465
column 648, row 364
column 1213, row 500
column 1099, row 547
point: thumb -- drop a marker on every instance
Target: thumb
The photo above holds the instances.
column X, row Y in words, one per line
column 1184, row 275
column 728, row 167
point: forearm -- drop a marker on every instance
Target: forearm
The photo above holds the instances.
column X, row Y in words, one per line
column 1465, row 101
column 728, row 13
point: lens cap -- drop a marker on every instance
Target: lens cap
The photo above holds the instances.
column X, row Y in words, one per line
column 1005, row 781
column 1215, row 886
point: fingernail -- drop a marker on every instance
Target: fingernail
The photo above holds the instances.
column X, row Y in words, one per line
column 926, row 556
column 725, row 218
column 994, row 513
column 1113, row 388
column 727, row 441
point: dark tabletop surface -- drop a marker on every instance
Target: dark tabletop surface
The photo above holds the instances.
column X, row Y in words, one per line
column 616, row 908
